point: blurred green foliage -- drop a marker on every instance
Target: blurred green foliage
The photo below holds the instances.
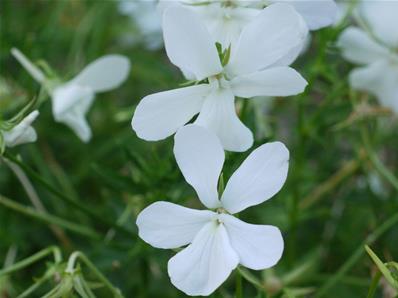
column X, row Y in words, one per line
column 337, row 193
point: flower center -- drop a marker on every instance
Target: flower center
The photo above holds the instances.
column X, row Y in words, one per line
column 230, row 3
column 221, row 210
column 218, row 82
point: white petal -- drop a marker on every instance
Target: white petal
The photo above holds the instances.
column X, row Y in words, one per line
column 188, row 43
column 379, row 79
column 225, row 23
column 23, row 132
column 269, row 37
column 160, row 115
column 293, row 54
column 381, row 18
column 358, row 47
column 204, row 265
column 105, row 73
column 78, row 123
column 200, row 158
column 167, row 225
column 317, row 14
column 68, row 96
column 219, row 115
column 71, row 103
column 258, row 179
column 275, row 81
column 258, row 246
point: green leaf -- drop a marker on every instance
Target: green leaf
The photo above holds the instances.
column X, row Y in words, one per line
column 226, row 56
column 382, row 267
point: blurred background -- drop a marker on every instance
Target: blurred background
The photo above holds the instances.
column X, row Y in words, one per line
column 340, row 192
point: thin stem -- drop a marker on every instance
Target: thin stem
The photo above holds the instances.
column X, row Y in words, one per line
column 239, row 289
column 38, row 282
column 10, row 257
column 348, row 169
column 355, row 257
column 32, row 259
column 79, row 255
column 76, row 204
column 48, row 218
column 121, row 220
column 374, row 284
column 28, row 187
column 34, row 71
column 34, row 197
column 375, row 160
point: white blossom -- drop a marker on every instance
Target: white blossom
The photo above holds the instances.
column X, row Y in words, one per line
column 226, row 19
column 22, row 133
column 73, row 99
column 147, row 18
column 252, row 70
column 217, row 241
column 375, row 48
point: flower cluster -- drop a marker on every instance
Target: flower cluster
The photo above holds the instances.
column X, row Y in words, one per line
column 227, row 51
column 251, row 68
column 226, row 19
column 72, row 100
column 374, row 46
column 218, row 241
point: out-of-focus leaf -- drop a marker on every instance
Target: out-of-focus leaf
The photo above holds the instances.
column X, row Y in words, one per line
column 387, row 273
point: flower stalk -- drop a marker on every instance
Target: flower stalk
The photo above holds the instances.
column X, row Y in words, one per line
column 33, row 70
column 71, row 269
column 52, row 250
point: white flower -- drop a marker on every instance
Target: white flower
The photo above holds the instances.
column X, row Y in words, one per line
column 376, row 49
column 316, row 13
column 250, row 72
column 72, row 100
column 226, row 19
column 22, row 133
column 147, row 18
column 217, row 241
column 344, row 10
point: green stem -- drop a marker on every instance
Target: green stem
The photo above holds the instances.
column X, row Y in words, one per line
column 34, row 71
column 34, row 197
column 356, row 256
column 38, row 283
column 374, row 285
column 375, row 160
column 32, row 259
column 346, row 171
column 239, row 288
column 121, row 220
column 76, row 204
column 48, row 218
column 71, row 268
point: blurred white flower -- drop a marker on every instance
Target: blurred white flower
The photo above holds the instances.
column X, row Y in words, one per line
column 22, row 133
column 317, row 14
column 375, row 47
column 344, row 10
column 226, row 19
column 252, row 70
column 217, row 241
column 145, row 15
column 72, row 100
